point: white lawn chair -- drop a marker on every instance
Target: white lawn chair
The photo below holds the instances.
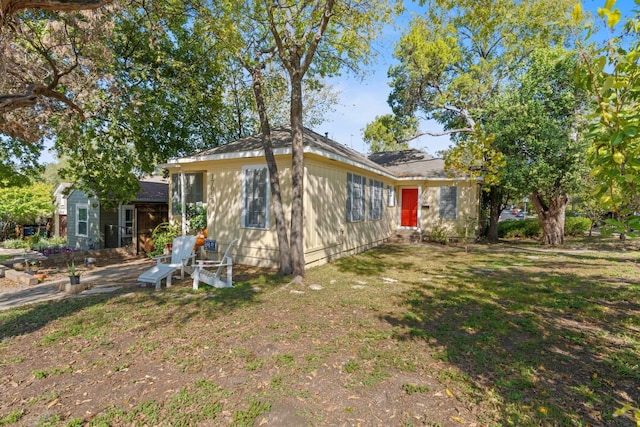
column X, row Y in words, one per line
column 200, row 274
column 182, row 252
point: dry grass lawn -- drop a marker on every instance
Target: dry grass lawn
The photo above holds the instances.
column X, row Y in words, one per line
column 403, row 335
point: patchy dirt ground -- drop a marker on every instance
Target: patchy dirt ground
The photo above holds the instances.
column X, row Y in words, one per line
column 85, row 360
column 361, row 342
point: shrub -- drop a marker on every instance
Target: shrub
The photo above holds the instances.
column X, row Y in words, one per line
column 576, row 226
column 439, row 233
column 163, row 234
column 525, row 228
column 15, row 244
column 530, row 228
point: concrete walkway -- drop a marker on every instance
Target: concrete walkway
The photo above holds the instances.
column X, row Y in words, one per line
column 98, row 279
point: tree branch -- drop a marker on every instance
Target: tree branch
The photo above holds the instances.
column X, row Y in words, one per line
column 443, row 133
column 30, row 97
column 9, row 7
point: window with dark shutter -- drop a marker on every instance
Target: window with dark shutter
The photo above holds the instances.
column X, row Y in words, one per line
column 255, row 209
column 355, row 197
column 375, row 200
column 449, row 202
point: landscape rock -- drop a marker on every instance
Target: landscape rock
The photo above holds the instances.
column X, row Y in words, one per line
column 21, row 278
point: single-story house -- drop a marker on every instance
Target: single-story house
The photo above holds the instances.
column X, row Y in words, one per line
column 351, row 202
column 90, row 226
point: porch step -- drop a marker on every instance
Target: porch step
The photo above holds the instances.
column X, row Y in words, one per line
column 406, row 236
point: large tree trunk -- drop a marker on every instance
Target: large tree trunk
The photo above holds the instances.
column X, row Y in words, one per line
column 297, row 176
column 274, row 179
column 495, row 206
column 297, row 56
column 551, row 217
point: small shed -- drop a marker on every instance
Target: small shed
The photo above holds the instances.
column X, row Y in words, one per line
column 90, row 226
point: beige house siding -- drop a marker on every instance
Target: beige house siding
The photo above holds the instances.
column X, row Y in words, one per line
column 224, row 182
column 467, row 205
column 327, row 233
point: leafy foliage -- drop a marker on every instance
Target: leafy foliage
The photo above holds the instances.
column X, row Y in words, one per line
column 530, row 227
column 460, row 54
column 525, row 228
column 536, row 125
column 455, row 59
column 197, row 216
column 163, row 234
column 25, row 204
column 612, row 76
column 388, row 133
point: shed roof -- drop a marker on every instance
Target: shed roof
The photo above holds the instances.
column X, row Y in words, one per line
column 153, row 190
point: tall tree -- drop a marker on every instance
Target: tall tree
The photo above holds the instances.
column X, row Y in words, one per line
column 25, row 204
column 47, row 73
column 247, row 42
column 161, row 95
column 317, row 38
column 44, row 57
column 537, row 125
column 459, row 55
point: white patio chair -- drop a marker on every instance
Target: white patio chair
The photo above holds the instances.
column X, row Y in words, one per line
column 182, row 252
column 200, row 274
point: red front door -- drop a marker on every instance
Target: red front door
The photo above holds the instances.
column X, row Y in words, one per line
column 409, row 207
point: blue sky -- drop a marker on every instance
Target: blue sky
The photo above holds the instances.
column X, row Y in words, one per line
column 362, row 101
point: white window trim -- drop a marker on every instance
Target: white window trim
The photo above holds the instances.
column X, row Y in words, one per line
column 391, row 196
column 244, row 198
column 177, row 190
column 78, row 207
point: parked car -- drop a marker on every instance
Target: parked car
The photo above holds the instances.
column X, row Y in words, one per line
column 515, row 211
column 520, row 214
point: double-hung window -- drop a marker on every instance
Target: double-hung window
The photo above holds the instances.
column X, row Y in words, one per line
column 375, row 200
column 255, row 197
column 449, row 202
column 193, row 190
column 82, row 220
column 355, row 197
column 391, row 195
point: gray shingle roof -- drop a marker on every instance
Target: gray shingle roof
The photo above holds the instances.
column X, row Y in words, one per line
column 407, row 163
column 410, row 163
column 281, row 140
column 153, row 191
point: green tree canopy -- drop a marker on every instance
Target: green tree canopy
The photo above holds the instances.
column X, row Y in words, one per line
column 387, row 133
column 456, row 58
column 26, row 204
column 537, row 125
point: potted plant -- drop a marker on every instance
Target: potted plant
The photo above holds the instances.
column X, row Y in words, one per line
column 197, row 215
column 74, row 275
column 162, row 237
